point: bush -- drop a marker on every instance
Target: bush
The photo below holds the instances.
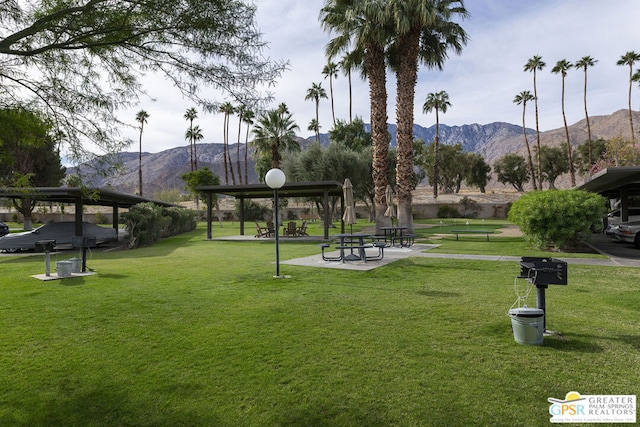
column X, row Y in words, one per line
column 446, row 211
column 557, row 217
column 252, row 211
column 147, row 222
column 470, row 207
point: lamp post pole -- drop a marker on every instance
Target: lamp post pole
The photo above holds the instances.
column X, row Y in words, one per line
column 275, row 179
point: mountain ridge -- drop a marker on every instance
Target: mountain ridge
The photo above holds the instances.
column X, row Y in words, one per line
column 162, row 170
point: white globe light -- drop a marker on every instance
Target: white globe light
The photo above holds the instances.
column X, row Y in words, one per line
column 275, row 178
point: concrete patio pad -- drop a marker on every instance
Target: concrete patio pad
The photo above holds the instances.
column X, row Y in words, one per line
column 391, row 254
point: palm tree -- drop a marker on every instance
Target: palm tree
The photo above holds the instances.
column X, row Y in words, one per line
column 362, row 35
column 141, row 117
column 331, row 70
column 194, row 134
column 273, row 134
column 346, row 66
column 522, row 98
column 422, row 31
column 315, row 127
column 562, row 66
column 248, row 119
column 438, row 101
column 227, row 109
column 584, row 63
column 534, row 64
column 629, row 59
column 191, row 114
column 315, row 92
column 240, row 111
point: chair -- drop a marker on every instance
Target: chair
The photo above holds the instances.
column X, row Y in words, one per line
column 261, row 232
column 271, row 229
column 302, row 230
column 291, row 230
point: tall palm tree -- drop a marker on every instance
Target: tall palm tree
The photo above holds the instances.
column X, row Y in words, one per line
column 535, row 64
column 562, row 66
column 315, row 127
column 194, row 134
column 361, row 35
column 227, row 109
column 240, row 111
column 521, row 99
column 584, row 63
column 141, row 117
column 629, row 59
column 315, row 92
column 273, row 134
column 422, row 32
column 331, row 70
column 191, row 114
column 438, row 101
column 248, row 117
column 346, row 66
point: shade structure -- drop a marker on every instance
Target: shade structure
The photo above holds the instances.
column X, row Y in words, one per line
column 391, row 210
column 349, row 216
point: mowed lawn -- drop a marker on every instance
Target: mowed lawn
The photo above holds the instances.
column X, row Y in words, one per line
column 192, row 332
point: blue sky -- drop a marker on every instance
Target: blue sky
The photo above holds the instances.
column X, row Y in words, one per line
column 481, row 82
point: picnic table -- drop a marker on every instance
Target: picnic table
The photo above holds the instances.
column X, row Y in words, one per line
column 397, row 236
column 473, row 231
column 352, row 247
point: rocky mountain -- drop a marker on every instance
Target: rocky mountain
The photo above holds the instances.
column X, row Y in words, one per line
column 162, row 171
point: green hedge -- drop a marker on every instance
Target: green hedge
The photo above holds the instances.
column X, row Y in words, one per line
column 146, row 223
column 557, row 218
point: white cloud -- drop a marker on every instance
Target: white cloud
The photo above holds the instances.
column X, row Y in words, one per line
column 481, row 83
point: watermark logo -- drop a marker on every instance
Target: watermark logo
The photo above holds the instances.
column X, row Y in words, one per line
column 577, row 408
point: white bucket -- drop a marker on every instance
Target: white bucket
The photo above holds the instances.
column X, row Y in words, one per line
column 528, row 325
column 64, row 268
column 76, row 264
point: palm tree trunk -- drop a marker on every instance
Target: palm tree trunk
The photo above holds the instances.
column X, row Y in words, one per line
column 572, row 172
column 535, row 100
column 586, row 113
column 333, row 111
column 526, row 142
column 406, row 78
column 350, row 98
column 246, row 156
column 435, row 157
column 225, row 143
column 376, row 72
column 633, row 139
column 238, row 150
column 140, row 161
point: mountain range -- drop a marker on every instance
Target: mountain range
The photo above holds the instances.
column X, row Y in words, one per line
column 162, row 170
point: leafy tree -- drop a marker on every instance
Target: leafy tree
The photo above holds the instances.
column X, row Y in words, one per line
column 589, row 153
column 362, row 35
column 29, row 155
column 273, row 135
column 521, row 99
column 422, row 32
column 198, row 178
column 331, row 70
column 141, row 117
column 554, row 164
column 352, row 135
column 452, row 167
column 315, row 92
column 584, row 63
column 562, row 67
column 630, row 58
column 439, row 102
column 477, row 172
column 533, row 65
column 621, row 152
column 81, row 61
column 512, row 169
column 557, row 218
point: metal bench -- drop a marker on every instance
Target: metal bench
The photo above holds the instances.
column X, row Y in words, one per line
column 487, row 232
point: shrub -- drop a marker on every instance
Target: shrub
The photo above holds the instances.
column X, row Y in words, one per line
column 252, row 210
column 470, row 207
column 147, row 222
column 557, row 217
column 446, row 211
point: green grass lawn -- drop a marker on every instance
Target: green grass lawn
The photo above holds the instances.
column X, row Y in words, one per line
column 192, row 332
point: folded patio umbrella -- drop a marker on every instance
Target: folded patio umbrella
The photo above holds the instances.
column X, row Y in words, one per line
column 349, row 216
column 391, row 211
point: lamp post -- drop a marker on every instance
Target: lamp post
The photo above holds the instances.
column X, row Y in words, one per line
column 275, row 179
